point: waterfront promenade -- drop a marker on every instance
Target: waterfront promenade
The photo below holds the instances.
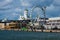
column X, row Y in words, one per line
column 29, row 30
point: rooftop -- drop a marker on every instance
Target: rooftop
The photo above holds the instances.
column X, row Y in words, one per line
column 54, row 18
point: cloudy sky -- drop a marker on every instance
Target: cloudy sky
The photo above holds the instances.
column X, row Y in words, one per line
column 12, row 9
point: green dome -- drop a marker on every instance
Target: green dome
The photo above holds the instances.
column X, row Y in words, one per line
column 26, row 9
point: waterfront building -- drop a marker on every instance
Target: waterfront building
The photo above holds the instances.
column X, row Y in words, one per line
column 53, row 22
column 2, row 26
column 13, row 24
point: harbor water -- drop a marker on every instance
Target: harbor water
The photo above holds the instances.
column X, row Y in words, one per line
column 22, row 35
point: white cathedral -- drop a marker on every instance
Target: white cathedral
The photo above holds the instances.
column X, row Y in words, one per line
column 25, row 16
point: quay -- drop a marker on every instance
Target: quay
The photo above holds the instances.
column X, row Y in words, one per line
column 29, row 30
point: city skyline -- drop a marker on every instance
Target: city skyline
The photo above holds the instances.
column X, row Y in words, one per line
column 12, row 9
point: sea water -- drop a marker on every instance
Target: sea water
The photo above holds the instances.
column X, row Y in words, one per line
column 22, row 35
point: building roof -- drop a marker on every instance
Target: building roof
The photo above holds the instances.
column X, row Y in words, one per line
column 54, row 18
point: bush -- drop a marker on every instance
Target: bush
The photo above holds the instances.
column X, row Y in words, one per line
column 24, row 29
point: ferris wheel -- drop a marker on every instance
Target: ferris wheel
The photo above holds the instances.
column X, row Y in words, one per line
column 43, row 9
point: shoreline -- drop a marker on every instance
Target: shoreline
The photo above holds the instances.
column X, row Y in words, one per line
column 29, row 30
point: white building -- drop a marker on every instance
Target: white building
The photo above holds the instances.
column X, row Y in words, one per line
column 53, row 22
column 25, row 16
